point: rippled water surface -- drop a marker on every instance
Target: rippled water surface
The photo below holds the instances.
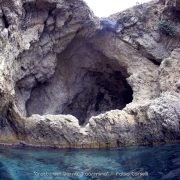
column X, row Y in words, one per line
column 157, row 162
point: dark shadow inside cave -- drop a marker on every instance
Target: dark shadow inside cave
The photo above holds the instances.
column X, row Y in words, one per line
column 86, row 83
column 108, row 91
column 6, row 24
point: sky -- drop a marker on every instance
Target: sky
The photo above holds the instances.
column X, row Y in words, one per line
column 104, row 8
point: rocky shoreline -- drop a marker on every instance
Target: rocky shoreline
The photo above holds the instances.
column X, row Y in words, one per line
column 71, row 80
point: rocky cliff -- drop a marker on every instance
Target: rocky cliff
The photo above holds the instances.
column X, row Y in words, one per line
column 70, row 79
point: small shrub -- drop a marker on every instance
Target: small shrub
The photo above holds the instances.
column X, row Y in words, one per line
column 166, row 28
column 167, row 63
column 142, row 18
column 4, row 42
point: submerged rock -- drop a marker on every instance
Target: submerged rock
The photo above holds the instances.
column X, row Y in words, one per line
column 172, row 174
column 69, row 79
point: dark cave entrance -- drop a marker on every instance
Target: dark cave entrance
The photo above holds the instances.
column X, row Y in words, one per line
column 109, row 91
column 86, row 83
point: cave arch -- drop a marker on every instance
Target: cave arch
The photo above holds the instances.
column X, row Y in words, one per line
column 85, row 83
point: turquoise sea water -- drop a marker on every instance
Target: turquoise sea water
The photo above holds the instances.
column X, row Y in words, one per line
column 151, row 163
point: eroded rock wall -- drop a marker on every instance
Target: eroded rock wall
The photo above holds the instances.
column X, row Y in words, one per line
column 70, row 79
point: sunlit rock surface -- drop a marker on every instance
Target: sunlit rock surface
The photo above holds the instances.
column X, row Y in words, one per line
column 69, row 79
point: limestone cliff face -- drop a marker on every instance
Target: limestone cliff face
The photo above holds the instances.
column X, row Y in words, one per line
column 69, row 79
